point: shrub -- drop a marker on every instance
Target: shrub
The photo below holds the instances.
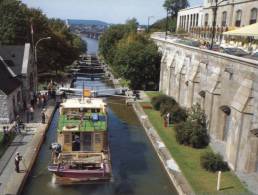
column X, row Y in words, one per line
column 161, row 99
column 213, row 162
column 193, row 131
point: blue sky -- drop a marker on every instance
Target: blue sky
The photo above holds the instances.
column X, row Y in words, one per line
column 111, row 11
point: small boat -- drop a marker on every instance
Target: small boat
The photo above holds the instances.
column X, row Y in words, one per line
column 81, row 152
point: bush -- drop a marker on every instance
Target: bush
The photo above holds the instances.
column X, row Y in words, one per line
column 193, row 131
column 213, row 162
column 162, row 99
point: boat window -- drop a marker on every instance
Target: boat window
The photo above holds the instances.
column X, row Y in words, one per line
column 97, row 138
column 66, row 138
column 98, row 110
column 76, row 142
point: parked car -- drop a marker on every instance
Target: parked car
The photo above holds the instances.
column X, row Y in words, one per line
column 234, row 51
column 254, row 56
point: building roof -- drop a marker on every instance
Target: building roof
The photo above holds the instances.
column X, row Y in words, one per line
column 8, row 82
column 84, row 103
column 17, row 57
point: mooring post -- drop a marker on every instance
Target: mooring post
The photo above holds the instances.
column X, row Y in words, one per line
column 218, row 182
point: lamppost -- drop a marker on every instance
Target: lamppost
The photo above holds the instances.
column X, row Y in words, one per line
column 149, row 17
column 36, row 58
column 166, row 25
column 215, row 9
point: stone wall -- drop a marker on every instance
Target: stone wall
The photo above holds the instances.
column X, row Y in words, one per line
column 10, row 105
column 226, row 87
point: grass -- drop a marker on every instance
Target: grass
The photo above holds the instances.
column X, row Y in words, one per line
column 188, row 160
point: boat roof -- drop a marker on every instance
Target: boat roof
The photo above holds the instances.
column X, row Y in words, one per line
column 84, row 103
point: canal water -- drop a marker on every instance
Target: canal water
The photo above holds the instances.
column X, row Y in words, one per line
column 136, row 168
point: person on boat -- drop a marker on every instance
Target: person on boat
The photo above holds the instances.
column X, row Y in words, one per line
column 17, row 160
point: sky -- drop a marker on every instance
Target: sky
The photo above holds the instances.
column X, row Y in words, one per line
column 111, row 11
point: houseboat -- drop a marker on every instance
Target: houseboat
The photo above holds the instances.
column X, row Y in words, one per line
column 81, row 152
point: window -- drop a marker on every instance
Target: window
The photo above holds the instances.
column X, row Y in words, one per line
column 67, row 139
column 253, row 17
column 98, row 139
column 224, row 19
column 206, row 18
column 238, row 18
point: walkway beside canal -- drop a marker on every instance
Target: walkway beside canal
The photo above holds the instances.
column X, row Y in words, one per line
column 27, row 144
column 162, row 151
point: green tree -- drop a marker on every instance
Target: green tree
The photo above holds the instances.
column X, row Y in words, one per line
column 137, row 59
column 13, row 24
column 15, row 28
column 173, row 6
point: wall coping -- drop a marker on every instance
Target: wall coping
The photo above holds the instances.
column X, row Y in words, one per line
column 241, row 60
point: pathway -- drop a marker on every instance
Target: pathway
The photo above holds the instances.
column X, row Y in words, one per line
column 28, row 145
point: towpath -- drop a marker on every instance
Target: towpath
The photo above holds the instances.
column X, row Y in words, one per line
column 27, row 144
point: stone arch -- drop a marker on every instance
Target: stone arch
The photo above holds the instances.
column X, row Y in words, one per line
column 202, row 94
column 225, row 121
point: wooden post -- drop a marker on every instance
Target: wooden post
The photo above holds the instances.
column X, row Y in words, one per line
column 218, row 182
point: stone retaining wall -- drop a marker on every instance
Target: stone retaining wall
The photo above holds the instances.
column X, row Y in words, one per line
column 226, row 87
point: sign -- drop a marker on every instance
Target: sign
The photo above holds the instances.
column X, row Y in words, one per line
column 86, row 93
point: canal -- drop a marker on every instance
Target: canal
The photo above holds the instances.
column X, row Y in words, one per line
column 136, row 167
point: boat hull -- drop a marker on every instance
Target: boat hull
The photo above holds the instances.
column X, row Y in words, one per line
column 81, row 175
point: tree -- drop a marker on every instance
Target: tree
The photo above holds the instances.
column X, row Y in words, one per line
column 173, row 6
column 13, row 24
column 137, row 59
column 15, row 28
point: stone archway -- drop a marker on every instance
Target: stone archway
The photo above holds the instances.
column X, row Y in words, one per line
column 202, row 103
column 225, row 121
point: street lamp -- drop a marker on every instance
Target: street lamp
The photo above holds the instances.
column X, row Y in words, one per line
column 149, row 17
column 215, row 9
column 166, row 25
column 36, row 58
column 35, row 48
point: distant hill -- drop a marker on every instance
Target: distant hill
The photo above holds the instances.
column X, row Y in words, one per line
column 86, row 22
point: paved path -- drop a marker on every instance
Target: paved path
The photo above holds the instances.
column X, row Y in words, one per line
column 28, row 145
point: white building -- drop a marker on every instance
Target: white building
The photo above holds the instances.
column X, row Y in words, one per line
column 230, row 13
column 189, row 17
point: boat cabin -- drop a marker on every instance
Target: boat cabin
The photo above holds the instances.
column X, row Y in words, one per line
column 82, row 125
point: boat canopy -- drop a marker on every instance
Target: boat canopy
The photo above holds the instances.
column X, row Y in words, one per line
column 84, row 103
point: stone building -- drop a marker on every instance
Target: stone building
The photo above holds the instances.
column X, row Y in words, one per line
column 189, row 17
column 230, row 13
column 226, row 87
column 10, row 94
column 20, row 64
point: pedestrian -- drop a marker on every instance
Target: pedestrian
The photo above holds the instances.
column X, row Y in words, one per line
column 17, row 160
column 31, row 112
column 43, row 116
column 17, row 128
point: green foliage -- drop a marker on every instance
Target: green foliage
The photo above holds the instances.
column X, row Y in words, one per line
column 15, row 28
column 132, row 56
column 193, row 131
column 173, row 6
column 157, row 101
column 160, row 25
column 213, row 162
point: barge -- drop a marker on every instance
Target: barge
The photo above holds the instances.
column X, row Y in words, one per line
column 81, row 152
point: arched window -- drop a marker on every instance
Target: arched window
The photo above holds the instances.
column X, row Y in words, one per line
column 238, row 18
column 224, row 19
column 253, row 17
column 206, row 19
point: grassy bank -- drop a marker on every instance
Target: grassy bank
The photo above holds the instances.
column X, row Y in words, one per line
column 188, row 160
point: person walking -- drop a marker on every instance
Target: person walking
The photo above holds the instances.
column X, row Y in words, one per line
column 17, row 160
column 31, row 113
column 43, row 116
